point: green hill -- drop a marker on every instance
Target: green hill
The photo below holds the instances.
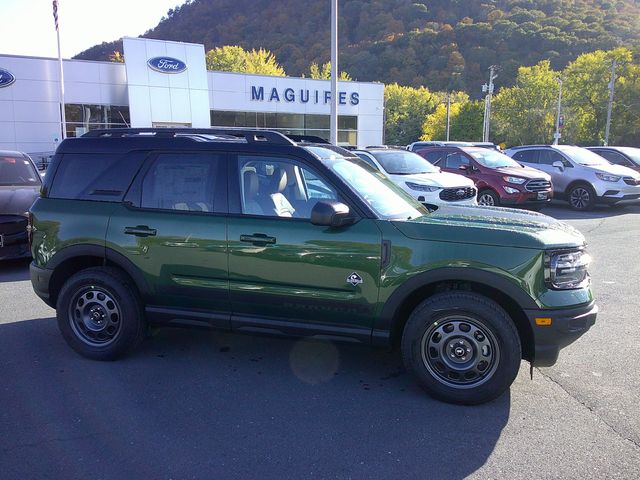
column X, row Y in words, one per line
column 442, row 44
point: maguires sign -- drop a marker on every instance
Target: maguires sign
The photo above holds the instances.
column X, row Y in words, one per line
column 301, row 95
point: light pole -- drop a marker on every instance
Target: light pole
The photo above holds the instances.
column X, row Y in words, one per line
column 612, row 86
column 488, row 89
column 556, row 135
column 333, row 123
column 448, row 114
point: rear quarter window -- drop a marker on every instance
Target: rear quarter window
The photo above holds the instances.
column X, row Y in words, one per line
column 98, row 177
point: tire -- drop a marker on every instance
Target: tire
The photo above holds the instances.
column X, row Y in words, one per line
column 581, row 197
column 100, row 314
column 462, row 347
column 488, row 198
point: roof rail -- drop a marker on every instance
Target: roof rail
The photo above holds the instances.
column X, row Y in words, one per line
column 249, row 135
column 306, row 138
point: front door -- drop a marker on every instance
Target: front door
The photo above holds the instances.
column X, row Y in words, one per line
column 284, row 269
column 175, row 233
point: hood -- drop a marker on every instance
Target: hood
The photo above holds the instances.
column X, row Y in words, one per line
column 17, row 200
column 492, row 226
column 615, row 170
column 439, row 179
column 524, row 172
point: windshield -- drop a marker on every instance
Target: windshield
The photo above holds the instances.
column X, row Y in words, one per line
column 402, row 162
column 632, row 153
column 386, row 199
column 583, row 156
column 491, row 158
column 16, row 171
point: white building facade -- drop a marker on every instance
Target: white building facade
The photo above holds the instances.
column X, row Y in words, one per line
column 164, row 84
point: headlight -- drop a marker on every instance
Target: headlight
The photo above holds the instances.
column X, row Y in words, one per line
column 566, row 269
column 516, row 180
column 421, row 188
column 510, row 190
column 607, row 177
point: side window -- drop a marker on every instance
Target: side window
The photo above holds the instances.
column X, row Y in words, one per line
column 455, row 160
column 548, row 157
column 276, row 187
column 367, row 159
column 434, row 157
column 104, row 177
column 181, row 181
column 614, row 157
column 526, row 156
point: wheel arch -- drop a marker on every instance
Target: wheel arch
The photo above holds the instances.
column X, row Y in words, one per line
column 72, row 259
column 503, row 291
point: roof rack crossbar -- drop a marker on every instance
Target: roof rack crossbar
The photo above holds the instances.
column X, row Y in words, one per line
column 249, row 135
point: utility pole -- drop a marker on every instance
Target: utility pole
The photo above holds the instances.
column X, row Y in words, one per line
column 556, row 135
column 333, row 123
column 488, row 89
column 448, row 113
column 612, row 87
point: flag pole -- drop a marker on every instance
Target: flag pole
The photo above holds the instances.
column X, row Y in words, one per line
column 63, row 117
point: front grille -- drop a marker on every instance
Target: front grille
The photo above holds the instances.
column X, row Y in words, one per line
column 11, row 224
column 631, row 181
column 457, row 194
column 538, row 185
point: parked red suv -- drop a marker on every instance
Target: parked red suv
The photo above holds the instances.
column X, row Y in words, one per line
column 500, row 180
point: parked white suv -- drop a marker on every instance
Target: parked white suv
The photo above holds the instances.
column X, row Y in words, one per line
column 422, row 180
column 580, row 176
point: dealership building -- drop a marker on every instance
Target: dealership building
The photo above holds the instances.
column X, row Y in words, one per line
column 166, row 84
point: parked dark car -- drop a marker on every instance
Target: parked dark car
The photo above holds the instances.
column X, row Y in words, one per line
column 19, row 186
column 501, row 181
column 626, row 156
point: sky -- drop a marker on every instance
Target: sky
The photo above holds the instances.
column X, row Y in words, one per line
column 28, row 26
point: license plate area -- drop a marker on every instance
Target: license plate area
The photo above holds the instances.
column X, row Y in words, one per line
column 543, row 195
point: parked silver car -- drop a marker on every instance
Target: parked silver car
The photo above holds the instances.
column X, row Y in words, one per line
column 580, row 176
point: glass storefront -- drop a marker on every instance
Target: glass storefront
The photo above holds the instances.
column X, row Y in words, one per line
column 293, row 123
column 82, row 118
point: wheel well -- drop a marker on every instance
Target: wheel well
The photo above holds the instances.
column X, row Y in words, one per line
column 579, row 182
column 506, row 302
column 72, row 266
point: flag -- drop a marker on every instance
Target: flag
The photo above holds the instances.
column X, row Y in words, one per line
column 55, row 13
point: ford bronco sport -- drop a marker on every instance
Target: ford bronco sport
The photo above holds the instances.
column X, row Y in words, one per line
column 247, row 230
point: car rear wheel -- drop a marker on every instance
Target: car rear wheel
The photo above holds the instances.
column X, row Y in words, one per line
column 462, row 347
column 99, row 314
column 488, row 198
column 582, row 197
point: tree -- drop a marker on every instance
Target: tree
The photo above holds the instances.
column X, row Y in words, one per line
column 117, row 57
column 324, row 72
column 465, row 118
column 526, row 113
column 405, row 111
column 237, row 59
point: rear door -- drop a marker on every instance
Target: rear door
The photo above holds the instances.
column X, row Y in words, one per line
column 285, row 271
column 173, row 229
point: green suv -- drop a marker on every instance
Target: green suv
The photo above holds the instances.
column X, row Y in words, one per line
column 249, row 231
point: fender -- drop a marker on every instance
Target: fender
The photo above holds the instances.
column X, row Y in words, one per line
column 110, row 257
column 384, row 324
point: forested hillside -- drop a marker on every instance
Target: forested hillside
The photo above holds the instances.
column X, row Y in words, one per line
column 443, row 44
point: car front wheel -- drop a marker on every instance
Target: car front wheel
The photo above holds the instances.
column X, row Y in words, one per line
column 488, row 198
column 462, row 347
column 582, row 197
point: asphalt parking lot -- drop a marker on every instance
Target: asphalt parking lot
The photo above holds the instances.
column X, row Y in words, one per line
column 194, row 404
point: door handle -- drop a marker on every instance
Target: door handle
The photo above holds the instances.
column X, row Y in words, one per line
column 140, row 231
column 258, row 239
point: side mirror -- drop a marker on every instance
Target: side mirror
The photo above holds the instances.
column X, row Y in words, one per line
column 559, row 165
column 327, row 213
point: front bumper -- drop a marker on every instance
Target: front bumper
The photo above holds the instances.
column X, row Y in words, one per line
column 609, row 192
column 567, row 325
column 14, row 245
column 525, row 198
column 40, row 278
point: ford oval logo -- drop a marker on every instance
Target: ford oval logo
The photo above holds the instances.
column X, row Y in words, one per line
column 167, row 65
column 6, row 78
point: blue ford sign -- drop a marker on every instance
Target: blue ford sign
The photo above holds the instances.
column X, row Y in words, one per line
column 167, row 65
column 6, row 78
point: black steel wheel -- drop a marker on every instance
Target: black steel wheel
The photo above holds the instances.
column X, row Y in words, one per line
column 462, row 347
column 582, row 197
column 99, row 313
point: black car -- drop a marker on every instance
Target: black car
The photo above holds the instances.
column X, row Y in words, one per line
column 625, row 156
column 19, row 186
